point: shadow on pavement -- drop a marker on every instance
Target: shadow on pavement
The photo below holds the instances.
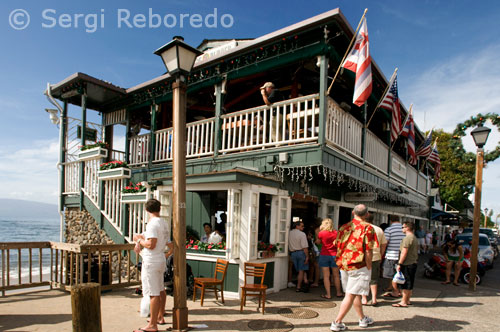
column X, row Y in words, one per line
column 10, row 322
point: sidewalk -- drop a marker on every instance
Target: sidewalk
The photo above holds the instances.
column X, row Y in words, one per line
column 435, row 307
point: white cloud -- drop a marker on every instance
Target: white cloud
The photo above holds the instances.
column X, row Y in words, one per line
column 455, row 89
column 30, row 173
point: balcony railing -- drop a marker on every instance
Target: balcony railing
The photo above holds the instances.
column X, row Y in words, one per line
column 343, row 130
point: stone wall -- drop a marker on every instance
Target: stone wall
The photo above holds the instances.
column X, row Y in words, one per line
column 81, row 228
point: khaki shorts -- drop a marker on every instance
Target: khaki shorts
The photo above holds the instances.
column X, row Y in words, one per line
column 375, row 273
column 152, row 278
column 356, row 282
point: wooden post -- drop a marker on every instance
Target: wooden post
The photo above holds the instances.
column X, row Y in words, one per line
column 477, row 216
column 180, row 310
column 218, row 113
column 86, row 307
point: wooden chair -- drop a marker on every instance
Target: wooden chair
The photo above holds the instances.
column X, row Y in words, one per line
column 255, row 270
column 212, row 283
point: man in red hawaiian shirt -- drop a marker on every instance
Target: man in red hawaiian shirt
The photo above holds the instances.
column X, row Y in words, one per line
column 355, row 242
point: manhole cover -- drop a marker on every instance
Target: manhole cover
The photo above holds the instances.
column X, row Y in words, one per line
column 318, row 304
column 299, row 313
column 270, row 325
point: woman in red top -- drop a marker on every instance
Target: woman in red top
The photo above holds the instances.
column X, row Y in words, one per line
column 326, row 237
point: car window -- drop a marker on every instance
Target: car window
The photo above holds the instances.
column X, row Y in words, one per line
column 466, row 240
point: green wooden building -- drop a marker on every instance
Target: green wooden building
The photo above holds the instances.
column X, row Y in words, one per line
column 246, row 179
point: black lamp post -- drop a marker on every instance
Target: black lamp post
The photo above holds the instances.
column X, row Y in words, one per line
column 480, row 135
column 179, row 59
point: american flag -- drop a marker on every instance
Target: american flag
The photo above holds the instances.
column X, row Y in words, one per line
column 409, row 131
column 425, row 149
column 434, row 157
column 391, row 103
column 359, row 62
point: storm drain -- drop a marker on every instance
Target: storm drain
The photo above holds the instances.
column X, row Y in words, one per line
column 297, row 313
column 319, row 304
column 270, row 325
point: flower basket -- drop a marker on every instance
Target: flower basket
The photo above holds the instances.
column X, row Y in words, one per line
column 93, row 154
column 134, row 197
column 115, row 173
column 266, row 254
column 215, row 252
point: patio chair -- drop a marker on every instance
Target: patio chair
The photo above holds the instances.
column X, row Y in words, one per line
column 257, row 271
column 215, row 283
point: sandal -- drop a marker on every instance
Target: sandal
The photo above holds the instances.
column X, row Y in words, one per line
column 326, row 297
column 446, row 283
column 399, row 305
column 455, row 284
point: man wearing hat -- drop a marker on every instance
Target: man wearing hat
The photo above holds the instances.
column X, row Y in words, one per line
column 272, row 95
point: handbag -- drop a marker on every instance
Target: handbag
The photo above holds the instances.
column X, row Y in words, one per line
column 399, row 278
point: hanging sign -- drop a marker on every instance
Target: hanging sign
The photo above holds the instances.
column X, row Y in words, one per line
column 360, row 197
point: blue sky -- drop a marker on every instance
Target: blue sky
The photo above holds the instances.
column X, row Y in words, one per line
column 446, row 52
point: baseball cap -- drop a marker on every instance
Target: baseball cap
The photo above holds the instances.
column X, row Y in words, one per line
column 267, row 85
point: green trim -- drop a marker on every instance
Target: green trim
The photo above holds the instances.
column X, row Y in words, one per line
column 103, row 222
column 323, row 102
column 132, row 198
column 154, row 109
column 218, row 112
column 82, row 142
column 221, row 253
column 62, row 152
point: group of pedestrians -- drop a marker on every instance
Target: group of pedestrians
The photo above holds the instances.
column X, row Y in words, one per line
column 357, row 250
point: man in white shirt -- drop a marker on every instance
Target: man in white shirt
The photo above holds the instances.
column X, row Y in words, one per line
column 151, row 246
column 299, row 253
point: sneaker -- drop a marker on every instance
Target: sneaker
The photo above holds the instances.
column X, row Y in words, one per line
column 337, row 326
column 365, row 321
column 291, row 284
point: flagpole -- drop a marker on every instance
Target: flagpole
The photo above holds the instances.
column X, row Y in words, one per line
column 383, row 95
column 403, row 127
column 347, row 52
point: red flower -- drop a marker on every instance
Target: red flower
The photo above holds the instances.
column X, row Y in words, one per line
column 195, row 247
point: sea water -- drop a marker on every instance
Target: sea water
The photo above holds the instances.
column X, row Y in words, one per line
column 28, row 230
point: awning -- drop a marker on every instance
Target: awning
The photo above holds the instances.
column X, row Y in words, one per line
column 444, row 217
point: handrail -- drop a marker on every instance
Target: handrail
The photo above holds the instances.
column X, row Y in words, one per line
column 70, row 265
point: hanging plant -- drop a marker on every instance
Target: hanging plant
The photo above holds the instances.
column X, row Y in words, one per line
column 475, row 121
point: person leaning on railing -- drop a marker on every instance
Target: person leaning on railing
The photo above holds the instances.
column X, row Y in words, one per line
column 271, row 95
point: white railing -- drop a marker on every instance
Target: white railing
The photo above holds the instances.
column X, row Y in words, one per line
column 199, row 140
column 136, row 219
column 343, row 130
column 112, row 208
column 72, row 177
column 376, row 152
column 91, row 180
column 290, row 121
column 422, row 184
column 164, row 144
column 411, row 177
column 398, row 166
column 117, row 155
column 139, row 149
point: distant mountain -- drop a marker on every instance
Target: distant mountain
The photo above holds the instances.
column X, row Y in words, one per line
column 17, row 208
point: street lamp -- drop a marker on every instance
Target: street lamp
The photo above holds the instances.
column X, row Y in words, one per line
column 179, row 59
column 480, row 135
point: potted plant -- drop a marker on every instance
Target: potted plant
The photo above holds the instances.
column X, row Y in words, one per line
column 114, row 170
column 134, row 193
column 93, row 151
column 267, row 250
column 196, row 246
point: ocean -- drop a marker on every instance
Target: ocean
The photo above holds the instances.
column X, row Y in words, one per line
column 29, row 230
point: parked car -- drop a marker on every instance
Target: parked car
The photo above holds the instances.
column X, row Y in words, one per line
column 491, row 236
column 485, row 249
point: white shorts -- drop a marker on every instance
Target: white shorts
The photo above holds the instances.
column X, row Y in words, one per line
column 356, row 282
column 152, row 278
column 421, row 241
